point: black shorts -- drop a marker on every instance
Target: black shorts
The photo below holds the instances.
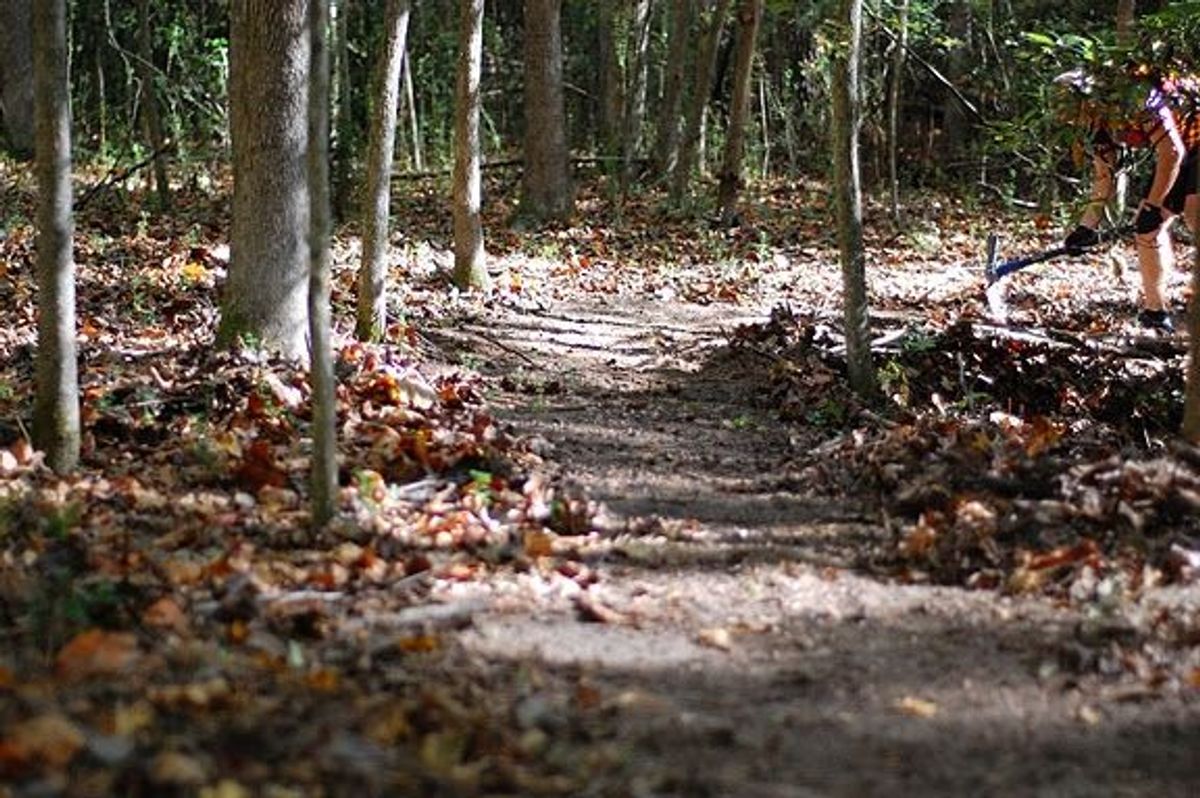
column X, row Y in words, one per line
column 1185, row 184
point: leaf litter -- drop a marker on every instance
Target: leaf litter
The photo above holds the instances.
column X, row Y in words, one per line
column 171, row 624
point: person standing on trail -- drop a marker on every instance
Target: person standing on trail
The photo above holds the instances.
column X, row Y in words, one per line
column 1172, row 131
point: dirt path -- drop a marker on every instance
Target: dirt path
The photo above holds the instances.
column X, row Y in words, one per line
column 727, row 646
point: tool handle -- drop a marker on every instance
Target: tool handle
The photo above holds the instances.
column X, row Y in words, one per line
column 1016, row 264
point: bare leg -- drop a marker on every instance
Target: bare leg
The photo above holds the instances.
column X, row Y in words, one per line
column 1155, row 260
column 1191, row 215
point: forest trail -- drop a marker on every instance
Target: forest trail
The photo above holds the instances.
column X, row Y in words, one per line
column 730, row 643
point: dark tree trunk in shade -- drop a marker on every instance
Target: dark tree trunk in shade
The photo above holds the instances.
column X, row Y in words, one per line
column 693, row 122
column 666, row 148
column 152, row 116
column 16, row 74
column 372, row 274
column 265, row 301
column 546, row 192
column 56, row 403
column 749, row 17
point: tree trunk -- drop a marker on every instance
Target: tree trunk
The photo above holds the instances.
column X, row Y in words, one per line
column 693, row 125
column 469, row 260
column 612, row 86
column 847, row 53
column 324, row 400
column 954, row 117
column 410, row 100
column 372, row 274
column 265, row 300
column 666, row 149
column 546, row 192
column 1126, row 12
column 894, row 95
column 749, row 17
column 345, row 140
column 637, row 67
column 16, row 75
column 56, row 403
column 1191, row 403
column 151, row 115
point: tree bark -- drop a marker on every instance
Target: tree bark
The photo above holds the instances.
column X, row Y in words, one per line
column 323, row 475
column 693, row 125
column 56, row 403
column 414, row 126
column 612, row 86
column 546, row 192
column 469, row 260
column 372, row 274
column 637, row 68
column 749, row 17
column 1191, row 403
column 954, row 117
column 847, row 49
column 666, row 149
column 1126, row 13
column 151, row 114
column 266, row 298
column 894, row 95
column 16, row 75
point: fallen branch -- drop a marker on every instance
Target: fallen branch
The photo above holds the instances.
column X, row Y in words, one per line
column 115, row 176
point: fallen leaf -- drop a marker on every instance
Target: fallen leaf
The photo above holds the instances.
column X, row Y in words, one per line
column 176, row 769
column 97, row 653
column 917, row 707
column 51, row 739
column 165, row 614
column 717, row 637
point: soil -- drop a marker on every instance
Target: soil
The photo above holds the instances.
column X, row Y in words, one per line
column 733, row 642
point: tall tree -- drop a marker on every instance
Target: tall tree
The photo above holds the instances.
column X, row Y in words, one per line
column 954, row 115
column 546, row 192
column 469, row 260
column 749, row 17
column 151, row 115
column 16, row 74
column 324, row 399
column 56, row 404
column 637, row 71
column 894, row 99
column 612, row 86
column 702, row 80
column 847, row 55
column 372, row 274
column 666, row 148
column 266, row 297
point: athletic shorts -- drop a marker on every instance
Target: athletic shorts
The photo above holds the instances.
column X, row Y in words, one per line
column 1185, row 184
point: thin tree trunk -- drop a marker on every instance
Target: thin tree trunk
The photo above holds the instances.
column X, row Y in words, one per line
column 343, row 124
column 749, row 17
column 1126, row 13
column 954, row 117
column 151, row 114
column 469, row 259
column 372, row 274
column 546, row 192
column 16, row 75
column 637, row 70
column 410, row 100
column 666, row 150
column 894, row 95
column 612, row 92
column 1191, row 404
column 56, row 404
column 324, row 401
column 848, row 192
column 693, row 125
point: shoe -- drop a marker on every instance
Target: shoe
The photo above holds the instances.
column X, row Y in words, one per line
column 1156, row 320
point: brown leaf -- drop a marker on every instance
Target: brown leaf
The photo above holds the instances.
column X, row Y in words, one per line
column 97, row 653
column 51, row 739
column 165, row 614
column 917, row 707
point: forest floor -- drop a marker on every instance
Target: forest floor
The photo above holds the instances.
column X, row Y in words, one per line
column 620, row 528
